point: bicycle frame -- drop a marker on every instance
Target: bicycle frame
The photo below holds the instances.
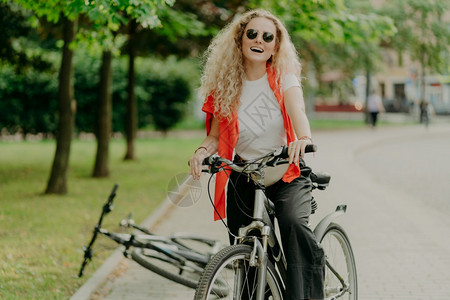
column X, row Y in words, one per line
column 263, row 223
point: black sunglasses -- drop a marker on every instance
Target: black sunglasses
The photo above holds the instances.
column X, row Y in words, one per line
column 253, row 33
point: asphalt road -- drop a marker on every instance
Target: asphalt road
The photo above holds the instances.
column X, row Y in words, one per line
column 395, row 182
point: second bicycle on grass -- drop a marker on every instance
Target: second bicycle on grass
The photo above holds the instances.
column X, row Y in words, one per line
column 179, row 257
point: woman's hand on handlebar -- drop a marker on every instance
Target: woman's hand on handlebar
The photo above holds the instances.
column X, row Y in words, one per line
column 296, row 149
column 196, row 161
column 209, row 146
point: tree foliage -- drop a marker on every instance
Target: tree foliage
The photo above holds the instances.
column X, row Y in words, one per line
column 317, row 26
column 423, row 33
column 333, row 35
column 12, row 22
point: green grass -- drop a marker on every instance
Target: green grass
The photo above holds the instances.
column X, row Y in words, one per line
column 323, row 124
column 318, row 124
column 41, row 235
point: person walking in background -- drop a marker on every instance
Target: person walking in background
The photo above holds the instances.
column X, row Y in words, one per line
column 374, row 107
column 254, row 104
column 426, row 110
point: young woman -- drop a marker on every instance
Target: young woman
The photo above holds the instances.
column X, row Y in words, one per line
column 254, row 104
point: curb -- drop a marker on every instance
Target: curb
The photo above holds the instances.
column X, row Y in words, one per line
column 100, row 276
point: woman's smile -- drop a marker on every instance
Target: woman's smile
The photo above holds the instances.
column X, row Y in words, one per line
column 257, row 49
column 258, row 40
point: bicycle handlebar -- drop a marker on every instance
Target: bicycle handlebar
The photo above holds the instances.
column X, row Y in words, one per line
column 214, row 161
column 107, row 208
column 308, row 149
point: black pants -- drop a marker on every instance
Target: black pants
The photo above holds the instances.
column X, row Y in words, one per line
column 305, row 257
column 374, row 118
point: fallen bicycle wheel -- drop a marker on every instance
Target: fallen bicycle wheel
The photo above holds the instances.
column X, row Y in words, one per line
column 184, row 272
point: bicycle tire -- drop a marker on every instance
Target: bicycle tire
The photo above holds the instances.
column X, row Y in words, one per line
column 220, row 266
column 167, row 267
column 340, row 258
column 159, row 263
column 201, row 245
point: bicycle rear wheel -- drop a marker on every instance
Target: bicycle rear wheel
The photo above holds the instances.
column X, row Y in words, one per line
column 340, row 270
column 230, row 267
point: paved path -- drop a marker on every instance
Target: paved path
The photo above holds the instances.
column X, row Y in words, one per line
column 392, row 180
column 395, row 183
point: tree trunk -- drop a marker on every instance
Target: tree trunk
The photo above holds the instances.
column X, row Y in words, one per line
column 104, row 118
column 368, row 88
column 131, row 119
column 422, row 75
column 57, row 183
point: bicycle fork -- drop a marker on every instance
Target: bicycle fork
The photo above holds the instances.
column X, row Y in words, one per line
column 261, row 251
column 259, row 255
column 258, row 260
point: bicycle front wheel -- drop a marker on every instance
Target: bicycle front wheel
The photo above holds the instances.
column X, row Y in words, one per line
column 340, row 270
column 230, row 268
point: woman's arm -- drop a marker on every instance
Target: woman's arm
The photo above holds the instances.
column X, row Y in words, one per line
column 209, row 146
column 295, row 107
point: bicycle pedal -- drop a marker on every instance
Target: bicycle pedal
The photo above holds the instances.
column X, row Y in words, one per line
column 314, row 205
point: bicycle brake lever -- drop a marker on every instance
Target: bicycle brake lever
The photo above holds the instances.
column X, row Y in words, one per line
column 278, row 151
column 128, row 221
column 273, row 162
column 212, row 162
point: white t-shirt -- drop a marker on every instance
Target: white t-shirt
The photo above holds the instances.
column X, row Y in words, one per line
column 261, row 127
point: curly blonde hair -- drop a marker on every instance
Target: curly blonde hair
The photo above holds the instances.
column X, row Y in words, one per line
column 224, row 73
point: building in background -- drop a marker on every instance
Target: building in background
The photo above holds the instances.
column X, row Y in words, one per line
column 400, row 85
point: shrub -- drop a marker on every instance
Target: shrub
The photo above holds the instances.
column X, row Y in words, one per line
column 28, row 101
column 168, row 97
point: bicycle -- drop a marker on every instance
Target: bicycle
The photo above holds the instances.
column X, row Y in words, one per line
column 179, row 257
column 250, row 254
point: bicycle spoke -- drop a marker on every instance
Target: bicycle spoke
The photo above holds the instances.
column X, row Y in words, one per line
column 231, row 274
